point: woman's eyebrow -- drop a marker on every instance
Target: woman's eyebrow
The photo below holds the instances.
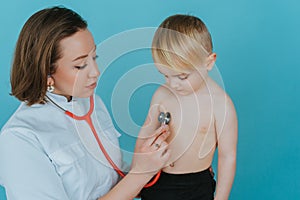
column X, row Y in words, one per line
column 80, row 57
column 84, row 56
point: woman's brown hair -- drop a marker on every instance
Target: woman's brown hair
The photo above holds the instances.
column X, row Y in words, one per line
column 37, row 51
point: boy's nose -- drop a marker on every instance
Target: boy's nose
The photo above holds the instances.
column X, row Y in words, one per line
column 173, row 84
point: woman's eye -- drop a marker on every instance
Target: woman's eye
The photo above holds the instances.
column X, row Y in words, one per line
column 95, row 57
column 81, row 67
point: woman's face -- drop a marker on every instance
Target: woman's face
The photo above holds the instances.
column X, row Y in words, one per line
column 76, row 71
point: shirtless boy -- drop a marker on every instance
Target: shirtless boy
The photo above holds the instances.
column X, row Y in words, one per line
column 203, row 117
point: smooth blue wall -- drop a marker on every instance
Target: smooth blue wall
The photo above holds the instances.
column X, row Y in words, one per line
column 257, row 43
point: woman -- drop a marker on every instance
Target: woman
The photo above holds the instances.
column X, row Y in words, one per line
column 47, row 154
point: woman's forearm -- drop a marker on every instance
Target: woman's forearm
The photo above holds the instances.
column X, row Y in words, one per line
column 147, row 160
column 128, row 188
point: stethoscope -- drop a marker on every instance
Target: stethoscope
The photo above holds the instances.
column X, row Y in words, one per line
column 163, row 118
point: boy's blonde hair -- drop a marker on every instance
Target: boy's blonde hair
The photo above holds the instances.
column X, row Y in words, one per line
column 181, row 43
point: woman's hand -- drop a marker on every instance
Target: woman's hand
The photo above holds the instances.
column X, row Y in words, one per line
column 152, row 153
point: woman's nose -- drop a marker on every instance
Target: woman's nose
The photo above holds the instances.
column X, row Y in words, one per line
column 95, row 72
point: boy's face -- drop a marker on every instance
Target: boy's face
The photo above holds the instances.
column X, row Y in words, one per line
column 184, row 83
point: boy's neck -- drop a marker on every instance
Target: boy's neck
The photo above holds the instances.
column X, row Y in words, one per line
column 206, row 87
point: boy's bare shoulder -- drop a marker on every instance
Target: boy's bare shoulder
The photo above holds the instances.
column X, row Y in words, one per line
column 220, row 97
column 222, row 103
column 161, row 93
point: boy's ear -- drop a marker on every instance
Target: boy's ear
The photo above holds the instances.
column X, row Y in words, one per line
column 210, row 61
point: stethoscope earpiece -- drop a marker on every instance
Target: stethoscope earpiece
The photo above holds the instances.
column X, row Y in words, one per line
column 164, row 118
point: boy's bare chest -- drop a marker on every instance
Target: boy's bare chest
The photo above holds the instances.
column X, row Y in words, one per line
column 190, row 116
column 193, row 133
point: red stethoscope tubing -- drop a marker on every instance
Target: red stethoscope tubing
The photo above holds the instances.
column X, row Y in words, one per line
column 88, row 119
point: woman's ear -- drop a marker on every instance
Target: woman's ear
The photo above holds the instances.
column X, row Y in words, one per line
column 50, row 80
column 210, row 61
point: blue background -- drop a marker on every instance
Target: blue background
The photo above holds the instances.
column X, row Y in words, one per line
column 257, row 43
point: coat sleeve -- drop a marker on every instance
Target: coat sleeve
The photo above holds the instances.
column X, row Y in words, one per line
column 26, row 172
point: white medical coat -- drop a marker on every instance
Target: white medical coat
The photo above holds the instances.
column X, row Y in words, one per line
column 45, row 154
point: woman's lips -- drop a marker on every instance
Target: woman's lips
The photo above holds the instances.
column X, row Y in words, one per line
column 92, row 86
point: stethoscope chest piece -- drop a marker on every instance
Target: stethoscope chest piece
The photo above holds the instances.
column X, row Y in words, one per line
column 164, row 118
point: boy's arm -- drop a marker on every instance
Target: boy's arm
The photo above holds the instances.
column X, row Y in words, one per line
column 226, row 124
